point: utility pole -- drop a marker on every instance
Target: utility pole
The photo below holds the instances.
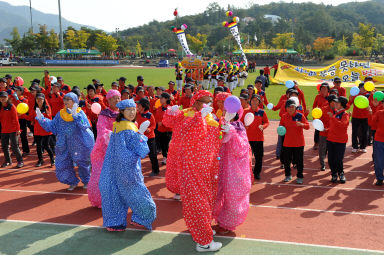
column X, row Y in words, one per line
column 30, row 12
column 61, row 28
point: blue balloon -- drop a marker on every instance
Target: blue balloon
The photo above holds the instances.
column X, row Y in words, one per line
column 289, row 84
column 281, row 130
column 354, row 91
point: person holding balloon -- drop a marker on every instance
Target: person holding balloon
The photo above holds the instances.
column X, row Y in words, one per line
column 256, row 121
column 104, row 129
column 219, row 101
column 10, row 130
column 293, row 145
column 74, row 144
column 164, row 134
column 319, row 102
column 232, row 201
column 23, row 119
column 337, row 139
column 378, row 144
column 41, row 136
column 92, row 109
column 261, row 93
column 360, row 115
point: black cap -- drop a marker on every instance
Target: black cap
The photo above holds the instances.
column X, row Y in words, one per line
column 59, row 78
column 41, row 95
column 3, row 94
column 3, row 80
column 243, row 96
column 139, row 89
column 165, row 95
column 250, row 86
column 19, row 88
column 172, row 82
column 343, row 101
column 91, row 87
column 337, row 79
column 221, row 78
column 368, row 78
column 188, row 87
column 124, row 91
column 332, row 98
column 140, row 78
column 114, row 84
column 56, row 84
column 361, row 85
column 122, row 79
column 162, row 88
column 324, row 84
column 258, row 80
column 288, row 91
column 244, row 91
column 289, row 103
column 256, row 96
column 219, row 89
column 335, row 91
column 294, row 91
column 37, row 81
column 97, row 81
column 8, row 76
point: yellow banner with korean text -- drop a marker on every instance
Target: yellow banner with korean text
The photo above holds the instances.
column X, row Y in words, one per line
column 349, row 71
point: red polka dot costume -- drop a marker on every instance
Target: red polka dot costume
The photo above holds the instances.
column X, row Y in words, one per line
column 192, row 166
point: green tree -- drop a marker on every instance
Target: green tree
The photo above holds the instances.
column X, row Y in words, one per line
column 28, row 43
column 198, row 42
column 138, row 49
column 379, row 44
column 341, row 46
column 52, row 42
column 77, row 39
column 365, row 38
column 284, row 41
column 15, row 42
column 106, row 43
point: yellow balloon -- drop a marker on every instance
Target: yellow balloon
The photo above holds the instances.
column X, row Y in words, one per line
column 22, row 108
column 317, row 113
column 357, row 83
column 369, row 86
column 157, row 103
column 255, row 90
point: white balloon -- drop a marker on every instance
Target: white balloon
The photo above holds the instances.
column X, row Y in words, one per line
column 53, row 79
column 228, row 116
column 297, row 102
column 269, row 106
column 249, row 118
column 318, row 125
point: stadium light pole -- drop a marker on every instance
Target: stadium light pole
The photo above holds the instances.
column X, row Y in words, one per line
column 61, row 28
column 30, row 12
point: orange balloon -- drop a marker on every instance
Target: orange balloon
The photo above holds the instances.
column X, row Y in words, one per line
column 157, row 103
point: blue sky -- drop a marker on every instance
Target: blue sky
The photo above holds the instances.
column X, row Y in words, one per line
column 122, row 14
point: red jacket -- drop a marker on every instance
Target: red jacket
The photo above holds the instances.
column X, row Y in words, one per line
column 267, row 71
column 338, row 126
column 302, row 99
column 22, row 99
column 253, row 131
column 185, row 101
column 325, row 119
column 378, row 120
column 38, row 130
column 320, row 101
column 342, row 91
column 175, row 95
column 294, row 137
column 9, row 119
column 263, row 96
column 89, row 101
column 358, row 113
column 140, row 118
column 159, row 114
column 56, row 102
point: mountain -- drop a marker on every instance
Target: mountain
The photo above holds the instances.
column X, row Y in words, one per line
column 19, row 16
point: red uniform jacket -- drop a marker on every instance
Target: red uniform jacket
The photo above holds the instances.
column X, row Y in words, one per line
column 140, row 118
column 56, row 102
column 159, row 114
column 253, row 131
column 338, row 126
column 38, row 130
column 9, row 119
column 294, row 137
column 378, row 120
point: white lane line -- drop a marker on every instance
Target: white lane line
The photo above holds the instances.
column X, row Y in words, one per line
column 188, row 234
column 318, row 169
column 252, row 205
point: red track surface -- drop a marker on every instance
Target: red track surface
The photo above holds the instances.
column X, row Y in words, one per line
column 317, row 212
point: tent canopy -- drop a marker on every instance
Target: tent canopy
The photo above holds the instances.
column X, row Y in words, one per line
column 267, row 51
column 79, row 52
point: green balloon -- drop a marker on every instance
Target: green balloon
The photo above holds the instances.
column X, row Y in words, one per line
column 378, row 95
column 281, row 130
column 361, row 102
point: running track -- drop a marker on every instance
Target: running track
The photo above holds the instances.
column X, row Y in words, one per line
column 318, row 212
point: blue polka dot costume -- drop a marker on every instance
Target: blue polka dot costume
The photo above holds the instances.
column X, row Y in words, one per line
column 74, row 144
column 121, row 181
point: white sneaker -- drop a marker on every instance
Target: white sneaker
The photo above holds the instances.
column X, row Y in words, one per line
column 214, row 232
column 164, row 161
column 177, row 197
column 213, row 246
column 354, row 150
column 72, row 187
column 85, row 186
column 363, row 150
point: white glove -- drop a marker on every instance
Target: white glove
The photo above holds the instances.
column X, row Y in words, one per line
column 74, row 109
column 144, row 126
column 228, row 116
column 205, row 111
column 225, row 128
column 174, row 108
column 39, row 116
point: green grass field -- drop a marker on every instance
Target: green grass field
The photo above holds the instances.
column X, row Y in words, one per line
column 152, row 76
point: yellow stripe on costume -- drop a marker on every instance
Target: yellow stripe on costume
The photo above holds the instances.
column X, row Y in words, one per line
column 67, row 116
column 124, row 125
column 189, row 112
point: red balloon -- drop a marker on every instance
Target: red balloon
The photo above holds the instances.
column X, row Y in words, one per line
column 174, row 29
column 318, row 87
column 175, row 13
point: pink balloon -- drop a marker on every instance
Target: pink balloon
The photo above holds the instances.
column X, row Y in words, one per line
column 96, row 108
column 20, row 81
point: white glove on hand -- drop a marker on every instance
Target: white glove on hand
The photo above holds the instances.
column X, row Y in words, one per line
column 74, row 109
column 225, row 128
column 39, row 116
column 205, row 111
column 174, row 108
column 144, row 126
